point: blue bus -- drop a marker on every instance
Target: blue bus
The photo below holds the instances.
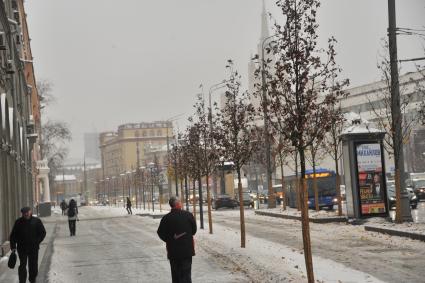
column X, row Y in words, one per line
column 326, row 187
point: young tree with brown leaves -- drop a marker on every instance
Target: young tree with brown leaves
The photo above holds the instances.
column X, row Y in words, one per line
column 303, row 89
column 334, row 148
column 208, row 156
column 235, row 132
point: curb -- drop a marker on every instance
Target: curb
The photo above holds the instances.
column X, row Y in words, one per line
column 154, row 216
column 391, row 232
column 47, row 257
column 313, row 220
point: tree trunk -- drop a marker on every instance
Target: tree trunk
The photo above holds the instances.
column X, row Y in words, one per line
column 181, row 191
column 297, row 182
column 305, row 221
column 316, row 191
column 209, row 204
column 338, row 184
column 186, row 192
column 241, row 208
column 194, row 197
column 201, row 209
column 282, row 182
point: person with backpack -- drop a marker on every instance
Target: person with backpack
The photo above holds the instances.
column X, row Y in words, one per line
column 72, row 216
column 129, row 206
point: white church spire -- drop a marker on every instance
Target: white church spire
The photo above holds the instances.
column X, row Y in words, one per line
column 264, row 23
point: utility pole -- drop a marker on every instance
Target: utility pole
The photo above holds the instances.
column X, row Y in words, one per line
column 176, row 174
column 137, row 183
column 272, row 199
column 403, row 212
column 85, row 180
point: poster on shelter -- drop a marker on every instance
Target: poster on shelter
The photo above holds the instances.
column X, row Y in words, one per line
column 371, row 187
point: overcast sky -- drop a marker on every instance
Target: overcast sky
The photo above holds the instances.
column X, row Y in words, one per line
column 114, row 62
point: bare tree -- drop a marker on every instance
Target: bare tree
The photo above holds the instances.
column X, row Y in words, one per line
column 380, row 104
column 44, row 88
column 334, row 149
column 208, row 156
column 54, row 134
column 316, row 154
column 236, row 125
column 303, row 89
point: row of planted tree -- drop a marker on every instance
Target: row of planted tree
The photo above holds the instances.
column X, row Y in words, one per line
column 298, row 87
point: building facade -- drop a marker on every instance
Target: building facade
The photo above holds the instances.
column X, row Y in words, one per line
column 131, row 145
column 19, row 117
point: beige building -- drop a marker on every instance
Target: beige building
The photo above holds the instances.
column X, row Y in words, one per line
column 119, row 149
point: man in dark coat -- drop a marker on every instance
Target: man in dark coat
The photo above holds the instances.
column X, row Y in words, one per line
column 177, row 229
column 26, row 236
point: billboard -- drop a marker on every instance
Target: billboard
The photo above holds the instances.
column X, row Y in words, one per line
column 371, row 179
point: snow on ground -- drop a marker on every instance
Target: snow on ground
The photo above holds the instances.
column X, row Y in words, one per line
column 123, row 249
column 4, row 259
column 295, row 212
column 266, row 261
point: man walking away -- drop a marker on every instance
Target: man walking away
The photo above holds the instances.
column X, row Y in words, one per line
column 176, row 230
column 26, row 236
column 63, row 206
column 129, row 206
column 72, row 216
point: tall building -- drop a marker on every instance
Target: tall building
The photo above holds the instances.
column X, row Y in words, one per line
column 19, row 117
column 119, row 149
column 263, row 42
column 91, row 145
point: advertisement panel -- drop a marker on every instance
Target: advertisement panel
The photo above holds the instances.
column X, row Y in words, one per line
column 371, row 179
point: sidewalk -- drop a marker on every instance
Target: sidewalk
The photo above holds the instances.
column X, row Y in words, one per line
column 11, row 275
column 322, row 216
column 415, row 231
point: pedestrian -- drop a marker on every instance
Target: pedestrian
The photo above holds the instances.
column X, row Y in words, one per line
column 129, row 206
column 63, row 206
column 177, row 229
column 72, row 216
column 26, row 236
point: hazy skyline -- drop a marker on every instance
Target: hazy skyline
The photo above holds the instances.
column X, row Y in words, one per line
column 115, row 62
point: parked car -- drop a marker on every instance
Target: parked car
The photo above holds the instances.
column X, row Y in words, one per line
column 247, row 200
column 419, row 188
column 413, row 199
column 224, row 201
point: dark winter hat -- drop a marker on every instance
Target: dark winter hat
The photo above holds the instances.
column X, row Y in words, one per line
column 172, row 201
column 25, row 209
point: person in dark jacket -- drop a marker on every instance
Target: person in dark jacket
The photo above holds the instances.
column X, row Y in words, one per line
column 63, row 206
column 129, row 206
column 72, row 216
column 176, row 230
column 26, row 236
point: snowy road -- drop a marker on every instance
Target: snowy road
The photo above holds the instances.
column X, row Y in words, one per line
column 111, row 248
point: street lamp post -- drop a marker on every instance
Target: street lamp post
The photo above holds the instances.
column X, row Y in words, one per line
column 151, row 167
column 213, row 88
column 114, row 184
column 142, row 172
column 122, row 185
column 108, row 189
column 128, row 183
column 272, row 202
column 222, row 181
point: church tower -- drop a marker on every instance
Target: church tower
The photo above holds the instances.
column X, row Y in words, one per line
column 265, row 33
